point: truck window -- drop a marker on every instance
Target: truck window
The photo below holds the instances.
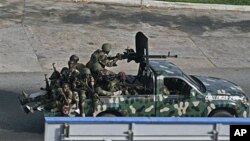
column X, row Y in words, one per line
column 177, row 86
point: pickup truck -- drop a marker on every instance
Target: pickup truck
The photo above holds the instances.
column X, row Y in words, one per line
column 166, row 91
column 189, row 95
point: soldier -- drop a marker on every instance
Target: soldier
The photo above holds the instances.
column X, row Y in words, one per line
column 84, row 88
column 46, row 101
column 164, row 90
column 99, row 60
column 72, row 74
column 74, row 58
column 112, row 85
column 78, row 66
column 68, row 75
column 68, row 100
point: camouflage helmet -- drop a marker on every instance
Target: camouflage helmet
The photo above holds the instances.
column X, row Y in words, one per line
column 74, row 58
column 106, row 47
column 64, row 71
column 86, row 71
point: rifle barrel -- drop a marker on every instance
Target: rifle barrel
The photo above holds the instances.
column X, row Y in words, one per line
column 157, row 56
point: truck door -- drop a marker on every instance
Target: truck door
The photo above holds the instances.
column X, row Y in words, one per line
column 174, row 99
column 143, row 104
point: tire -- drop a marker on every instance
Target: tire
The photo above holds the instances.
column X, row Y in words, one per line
column 107, row 115
column 221, row 113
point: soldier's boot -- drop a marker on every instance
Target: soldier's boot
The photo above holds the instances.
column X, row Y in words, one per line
column 25, row 95
column 24, row 101
column 77, row 111
column 38, row 107
column 28, row 109
column 24, row 98
column 82, row 109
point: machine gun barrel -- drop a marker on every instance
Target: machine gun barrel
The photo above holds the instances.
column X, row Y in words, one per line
column 112, row 57
column 162, row 56
column 130, row 55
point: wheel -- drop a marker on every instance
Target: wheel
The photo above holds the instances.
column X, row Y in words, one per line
column 222, row 113
column 107, row 115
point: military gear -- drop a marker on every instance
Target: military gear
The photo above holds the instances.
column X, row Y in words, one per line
column 106, row 47
column 64, row 71
column 86, row 71
column 55, row 75
column 98, row 61
column 119, row 56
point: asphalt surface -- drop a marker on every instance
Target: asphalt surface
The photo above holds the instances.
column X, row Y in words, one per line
column 34, row 34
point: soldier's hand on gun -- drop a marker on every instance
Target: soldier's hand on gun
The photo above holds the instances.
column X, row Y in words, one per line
column 119, row 56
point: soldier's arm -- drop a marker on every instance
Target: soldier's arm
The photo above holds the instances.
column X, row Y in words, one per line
column 106, row 62
column 102, row 92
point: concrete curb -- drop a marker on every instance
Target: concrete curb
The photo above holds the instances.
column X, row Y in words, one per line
column 174, row 5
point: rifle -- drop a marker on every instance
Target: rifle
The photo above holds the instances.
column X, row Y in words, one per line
column 128, row 54
column 56, row 73
column 47, row 88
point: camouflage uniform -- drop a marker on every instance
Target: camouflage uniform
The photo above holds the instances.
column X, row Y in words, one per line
column 111, row 85
column 99, row 60
column 50, row 99
column 68, row 100
column 78, row 66
column 84, row 88
column 65, row 102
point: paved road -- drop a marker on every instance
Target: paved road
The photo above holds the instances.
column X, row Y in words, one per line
column 49, row 31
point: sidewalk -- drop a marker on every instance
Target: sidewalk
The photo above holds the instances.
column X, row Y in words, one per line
column 173, row 5
column 52, row 31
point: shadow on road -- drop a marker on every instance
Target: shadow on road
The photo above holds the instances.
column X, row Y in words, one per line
column 13, row 118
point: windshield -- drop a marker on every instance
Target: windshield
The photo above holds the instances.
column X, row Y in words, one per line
column 197, row 83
